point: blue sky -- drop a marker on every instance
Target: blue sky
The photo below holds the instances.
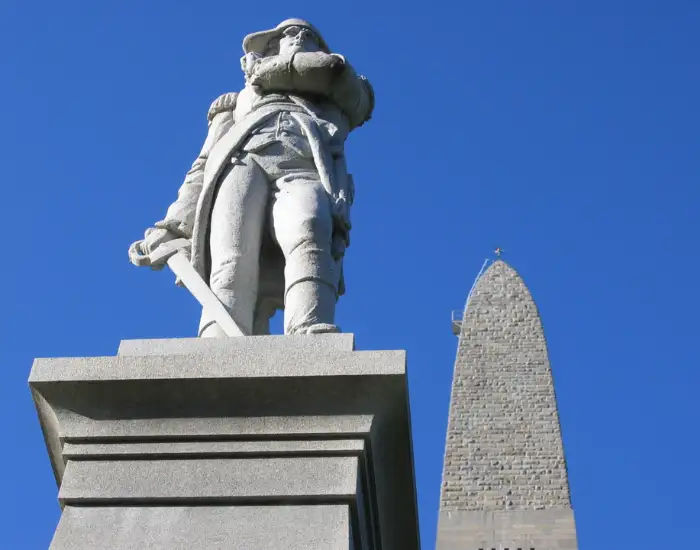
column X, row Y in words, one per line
column 566, row 133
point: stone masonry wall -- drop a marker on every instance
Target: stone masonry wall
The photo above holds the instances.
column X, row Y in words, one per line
column 504, row 449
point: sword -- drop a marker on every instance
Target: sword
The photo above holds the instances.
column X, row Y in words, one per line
column 180, row 264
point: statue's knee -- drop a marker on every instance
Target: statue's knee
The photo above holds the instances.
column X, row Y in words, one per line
column 309, row 235
column 317, row 230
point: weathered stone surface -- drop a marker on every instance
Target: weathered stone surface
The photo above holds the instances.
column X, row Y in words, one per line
column 306, row 427
column 550, row 529
column 212, row 448
column 316, row 343
column 504, row 450
column 503, row 447
column 209, row 479
column 76, row 427
column 247, row 363
column 321, row 527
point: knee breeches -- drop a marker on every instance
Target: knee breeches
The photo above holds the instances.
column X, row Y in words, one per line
column 280, row 193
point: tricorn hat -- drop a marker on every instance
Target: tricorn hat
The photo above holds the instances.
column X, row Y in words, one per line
column 258, row 41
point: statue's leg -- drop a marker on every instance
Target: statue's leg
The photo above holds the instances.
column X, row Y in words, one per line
column 303, row 227
column 236, row 226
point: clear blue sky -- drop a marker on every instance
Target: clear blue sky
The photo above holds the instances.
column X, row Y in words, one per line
column 567, row 133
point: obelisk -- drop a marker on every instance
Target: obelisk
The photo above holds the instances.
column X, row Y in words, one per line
column 504, row 482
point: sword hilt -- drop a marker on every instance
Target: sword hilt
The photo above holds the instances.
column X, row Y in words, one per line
column 167, row 249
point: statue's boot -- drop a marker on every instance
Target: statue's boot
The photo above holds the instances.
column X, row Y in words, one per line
column 212, row 330
column 309, row 308
column 303, row 226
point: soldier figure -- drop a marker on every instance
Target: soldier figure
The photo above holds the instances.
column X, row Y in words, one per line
column 266, row 202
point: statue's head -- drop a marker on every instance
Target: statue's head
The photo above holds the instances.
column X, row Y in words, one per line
column 291, row 35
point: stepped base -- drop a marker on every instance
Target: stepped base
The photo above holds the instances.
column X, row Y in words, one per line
column 242, row 443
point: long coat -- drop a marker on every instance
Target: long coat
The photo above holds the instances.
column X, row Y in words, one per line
column 328, row 123
column 189, row 215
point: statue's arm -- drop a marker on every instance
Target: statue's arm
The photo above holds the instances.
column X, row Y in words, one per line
column 179, row 218
column 354, row 95
column 318, row 73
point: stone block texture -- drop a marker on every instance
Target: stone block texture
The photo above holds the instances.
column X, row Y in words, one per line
column 504, row 449
column 551, row 529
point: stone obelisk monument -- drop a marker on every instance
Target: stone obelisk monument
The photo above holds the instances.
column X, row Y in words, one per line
column 504, row 482
column 242, row 440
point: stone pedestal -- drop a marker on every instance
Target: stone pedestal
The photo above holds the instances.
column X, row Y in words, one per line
column 267, row 442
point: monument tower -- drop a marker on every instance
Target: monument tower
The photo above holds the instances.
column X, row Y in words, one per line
column 504, row 483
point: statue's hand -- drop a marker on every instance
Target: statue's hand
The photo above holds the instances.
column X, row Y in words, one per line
column 338, row 245
column 315, row 72
column 341, row 226
column 341, row 211
column 248, row 62
column 271, row 73
column 140, row 250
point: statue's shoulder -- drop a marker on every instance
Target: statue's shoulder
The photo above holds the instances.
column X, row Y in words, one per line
column 225, row 102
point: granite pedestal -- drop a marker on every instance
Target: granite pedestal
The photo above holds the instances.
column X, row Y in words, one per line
column 263, row 442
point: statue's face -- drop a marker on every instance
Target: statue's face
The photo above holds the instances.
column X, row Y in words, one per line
column 298, row 39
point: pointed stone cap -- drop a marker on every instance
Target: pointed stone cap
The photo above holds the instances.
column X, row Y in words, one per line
column 504, row 449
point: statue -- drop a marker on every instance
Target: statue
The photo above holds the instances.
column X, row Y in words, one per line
column 265, row 206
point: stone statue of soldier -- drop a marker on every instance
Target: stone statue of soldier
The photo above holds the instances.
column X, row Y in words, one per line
column 266, row 203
